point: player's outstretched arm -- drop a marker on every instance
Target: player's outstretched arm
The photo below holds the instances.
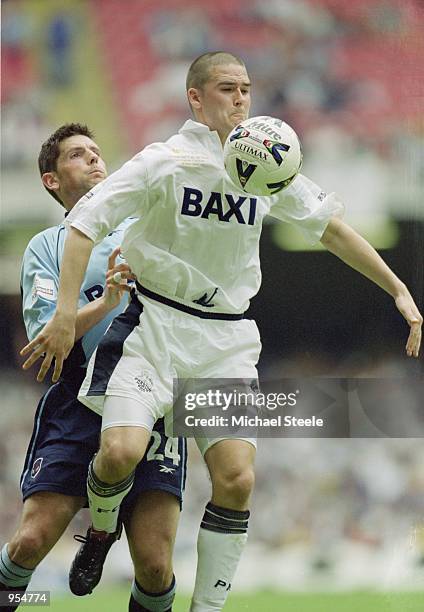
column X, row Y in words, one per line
column 116, row 285
column 56, row 339
column 341, row 240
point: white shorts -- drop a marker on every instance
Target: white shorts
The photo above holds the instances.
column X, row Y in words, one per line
column 151, row 344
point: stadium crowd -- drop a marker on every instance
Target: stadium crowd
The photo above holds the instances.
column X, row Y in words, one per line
column 318, row 64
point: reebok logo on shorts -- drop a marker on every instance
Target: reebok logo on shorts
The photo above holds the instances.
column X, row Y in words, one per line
column 36, row 467
column 166, row 470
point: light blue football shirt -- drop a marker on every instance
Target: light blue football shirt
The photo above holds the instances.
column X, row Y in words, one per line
column 40, row 281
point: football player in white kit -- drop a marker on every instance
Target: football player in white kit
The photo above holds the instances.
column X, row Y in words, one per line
column 195, row 251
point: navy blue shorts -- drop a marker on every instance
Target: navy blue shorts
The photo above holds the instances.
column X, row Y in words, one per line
column 65, row 437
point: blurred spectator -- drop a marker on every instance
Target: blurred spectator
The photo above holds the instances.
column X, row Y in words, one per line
column 24, row 125
column 59, row 40
column 168, row 28
column 15, row 42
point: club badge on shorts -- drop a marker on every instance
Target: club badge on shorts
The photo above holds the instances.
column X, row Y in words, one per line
column 36, row 467
column 144, row 382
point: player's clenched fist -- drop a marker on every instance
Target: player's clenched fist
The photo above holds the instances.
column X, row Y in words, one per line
column 55, row 341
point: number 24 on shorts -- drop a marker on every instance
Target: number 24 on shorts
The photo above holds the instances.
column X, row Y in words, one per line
column 169, row 452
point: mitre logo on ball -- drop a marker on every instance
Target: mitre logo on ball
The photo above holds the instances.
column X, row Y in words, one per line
column 262, row 155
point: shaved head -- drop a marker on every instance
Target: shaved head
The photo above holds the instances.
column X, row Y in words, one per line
column 200, row 69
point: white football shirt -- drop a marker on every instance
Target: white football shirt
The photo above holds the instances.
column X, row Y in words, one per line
column 196, row 239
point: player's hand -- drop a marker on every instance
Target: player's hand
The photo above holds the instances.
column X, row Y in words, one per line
column 117, row 277
column 408, row 309
column 55, row 341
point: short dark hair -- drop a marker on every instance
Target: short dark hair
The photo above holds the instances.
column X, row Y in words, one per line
column 47, row 159
column 199, row 71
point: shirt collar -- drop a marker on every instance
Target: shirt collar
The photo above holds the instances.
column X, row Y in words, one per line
column 194, row 126
column 202, row 130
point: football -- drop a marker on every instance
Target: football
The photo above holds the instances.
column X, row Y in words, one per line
column 262, row 155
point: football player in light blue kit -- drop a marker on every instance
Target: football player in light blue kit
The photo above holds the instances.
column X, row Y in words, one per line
column 195, row 251
column 66, row 434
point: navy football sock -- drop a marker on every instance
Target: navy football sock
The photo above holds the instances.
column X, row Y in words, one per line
column 142, row 601
column 13, row 577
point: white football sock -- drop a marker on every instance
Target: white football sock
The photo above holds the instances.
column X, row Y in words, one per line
column 105, row 499
column 222, row 538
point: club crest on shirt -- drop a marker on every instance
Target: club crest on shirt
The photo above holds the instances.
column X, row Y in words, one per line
column 144, row 382
column 36, row 467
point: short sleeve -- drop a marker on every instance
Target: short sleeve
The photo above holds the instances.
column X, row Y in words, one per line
column 39, row 285
column 306, row 206
column 123, row 194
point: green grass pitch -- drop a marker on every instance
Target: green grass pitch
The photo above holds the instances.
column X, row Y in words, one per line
column 266, row 601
